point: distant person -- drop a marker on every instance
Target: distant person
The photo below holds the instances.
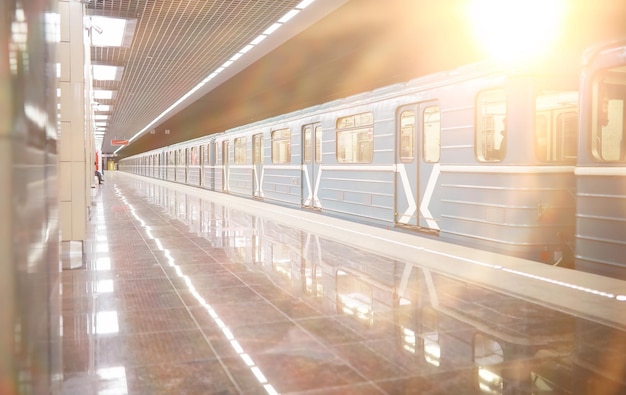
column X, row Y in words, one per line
column 99, row 175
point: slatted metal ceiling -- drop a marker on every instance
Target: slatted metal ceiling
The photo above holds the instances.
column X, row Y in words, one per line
column 176, row 44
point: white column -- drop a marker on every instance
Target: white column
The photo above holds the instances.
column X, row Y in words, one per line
column 76, row 136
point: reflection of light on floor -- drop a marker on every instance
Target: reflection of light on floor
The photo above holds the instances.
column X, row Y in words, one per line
column 408, row 339
column 489, row 382
column 105, row 322
column 357, row 305
column 103, row 264
column 113, row 381
column 212, row 313
column 104, row 286
column 432, row 352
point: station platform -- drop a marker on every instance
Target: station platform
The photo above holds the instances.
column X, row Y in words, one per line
column 186, row 291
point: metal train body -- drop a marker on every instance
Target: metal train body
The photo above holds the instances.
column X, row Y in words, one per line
column 601, row 169
column 429, row 156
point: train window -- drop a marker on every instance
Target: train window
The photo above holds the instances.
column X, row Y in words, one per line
column 407, row 136
column 608, row 128
column 355, row 138
column 194, row 160
column 207, row 154
column 306, row 132
column 182, row 157
column 281, row 146
column 318, row 143
column 432, row 134
column 490, row 125
column 240, row 151
column 556, row 126
column 257, row 149
column 225, row 152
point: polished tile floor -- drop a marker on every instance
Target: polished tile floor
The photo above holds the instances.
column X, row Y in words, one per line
column 183, row 295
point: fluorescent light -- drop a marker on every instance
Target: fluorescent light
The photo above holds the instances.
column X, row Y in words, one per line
column 259, row 38
column 236, row 56
column 288, row 16
column 272, row 28
column 246, row 48
column 304, row 4
column 101, row 124
column 101, row 116
column 107, row 73
column 102, row 108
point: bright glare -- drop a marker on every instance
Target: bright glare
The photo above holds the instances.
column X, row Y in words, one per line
column 511, row 30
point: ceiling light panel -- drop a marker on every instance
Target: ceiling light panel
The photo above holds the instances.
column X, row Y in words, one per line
column 106, row 72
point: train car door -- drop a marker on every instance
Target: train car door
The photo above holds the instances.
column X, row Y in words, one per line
column 212, row 152
column 257, row 165
column 417, row 153
column 311, row 161
column 225, row 163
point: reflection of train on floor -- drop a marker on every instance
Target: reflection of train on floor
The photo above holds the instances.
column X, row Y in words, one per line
column 429, row 326
column 481, row 157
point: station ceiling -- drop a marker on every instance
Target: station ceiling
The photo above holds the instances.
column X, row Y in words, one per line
column 330, row 49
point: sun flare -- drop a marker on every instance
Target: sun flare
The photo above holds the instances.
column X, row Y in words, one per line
column 513, row 30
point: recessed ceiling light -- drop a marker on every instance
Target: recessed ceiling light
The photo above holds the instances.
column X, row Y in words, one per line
column 102, row 94
column 102, row 108
column 112, row 32
column 107, row 73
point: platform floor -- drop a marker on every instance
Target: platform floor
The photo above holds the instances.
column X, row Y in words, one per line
column 180, row 294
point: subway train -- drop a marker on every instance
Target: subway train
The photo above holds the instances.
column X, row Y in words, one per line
column 515, row 160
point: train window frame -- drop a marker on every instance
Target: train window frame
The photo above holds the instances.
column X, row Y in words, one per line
column 489, row 139
column 355, row 138
column 281, row 146
column 608, row 107
column 239, row 147
column 431, row 139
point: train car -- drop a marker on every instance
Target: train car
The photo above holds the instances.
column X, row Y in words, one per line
column 480, row 156
column 601, row 168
